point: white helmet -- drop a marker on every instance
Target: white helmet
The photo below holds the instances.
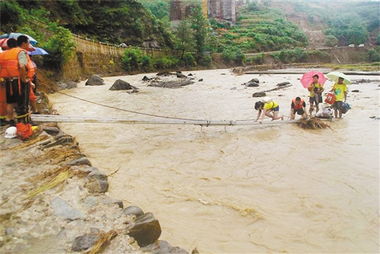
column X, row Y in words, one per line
column 11, row 132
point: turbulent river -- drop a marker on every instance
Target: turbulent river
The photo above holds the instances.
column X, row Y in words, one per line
column 239, row 189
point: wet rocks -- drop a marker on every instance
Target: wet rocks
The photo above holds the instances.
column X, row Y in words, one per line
column 67, row 85
column 63, row 209
column 98, row 183
column 95, row 80
column 355, row 91
column 252, row 83
column 133, row 210
column 84, row 242
column 259, row 94
column 286, row 83
column 53, row 131
column 200, row 80
column 163, row 247
column 180, row 75
column 171, row 83
column 80, row 161
column 122, row 85
column 145, row 78
column 146, row 230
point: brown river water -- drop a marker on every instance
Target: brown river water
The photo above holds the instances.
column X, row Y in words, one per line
column 239, row 189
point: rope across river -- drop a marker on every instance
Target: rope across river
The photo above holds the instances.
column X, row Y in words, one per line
column 168, row 119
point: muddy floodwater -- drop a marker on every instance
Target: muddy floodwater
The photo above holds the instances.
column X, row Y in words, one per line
column 239, row 189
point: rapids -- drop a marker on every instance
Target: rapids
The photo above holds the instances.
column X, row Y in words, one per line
column 238, row 189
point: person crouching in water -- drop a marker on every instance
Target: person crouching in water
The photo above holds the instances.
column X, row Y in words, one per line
column 268, row 108
column 316, row 90
column 298, row 106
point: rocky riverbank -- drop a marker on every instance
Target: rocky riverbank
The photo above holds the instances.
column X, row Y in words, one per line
column 53, row 201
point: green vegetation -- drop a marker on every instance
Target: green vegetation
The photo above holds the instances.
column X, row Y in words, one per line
column 374, row 55
column 259, row 29
column 351, row 22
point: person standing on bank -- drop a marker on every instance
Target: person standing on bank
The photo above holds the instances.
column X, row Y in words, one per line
column 15, row 65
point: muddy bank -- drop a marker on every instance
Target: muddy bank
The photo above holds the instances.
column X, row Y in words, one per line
column 53, row 201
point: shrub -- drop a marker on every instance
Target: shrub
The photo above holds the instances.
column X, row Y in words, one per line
column 165, row 62
column 132, row 59
column 188, row 59
column 257, row 59
column 378, row 39
column 205, row 60
column 373, row 55
column 233, row 54
column 331, row 40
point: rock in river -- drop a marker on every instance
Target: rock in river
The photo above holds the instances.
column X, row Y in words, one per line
column 95, row 80
column 146, row 230
column 122, row 85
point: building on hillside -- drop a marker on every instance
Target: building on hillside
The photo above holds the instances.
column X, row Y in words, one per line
column 218, row 9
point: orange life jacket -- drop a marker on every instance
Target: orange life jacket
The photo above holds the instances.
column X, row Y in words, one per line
column 9, row 66
column 298, row 106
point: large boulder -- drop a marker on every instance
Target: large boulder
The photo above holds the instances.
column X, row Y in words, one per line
column 133, row 210
column 95, row 80
column 122, row 85
column 146, row 230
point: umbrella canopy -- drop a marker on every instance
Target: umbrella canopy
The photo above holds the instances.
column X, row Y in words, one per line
column 307, row 78
column 335, row 75
column 38, row 51
column 3, row 43
column 15, row 35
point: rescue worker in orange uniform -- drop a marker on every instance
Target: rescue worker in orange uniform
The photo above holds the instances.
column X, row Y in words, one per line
column 298, row 106
column 16, row 68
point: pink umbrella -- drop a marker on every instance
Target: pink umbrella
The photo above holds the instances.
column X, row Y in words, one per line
column 3, row 43
column 307, row 78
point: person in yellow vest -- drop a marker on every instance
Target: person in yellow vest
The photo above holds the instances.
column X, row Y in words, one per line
column 298, row 106
column 15, row 65
column 268, row 107
column 340, row 90
column 315, row 90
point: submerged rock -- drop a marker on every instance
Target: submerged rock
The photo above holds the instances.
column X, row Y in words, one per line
column 67, row 85
column 171, row 84
column 145, row 78
column 122, row 85
column 95, row 80
column 200, row 80
column 146, row 230
column 283, row 84
column 63, row 209
column 259, row 94
column 180, row 75
column 84, row 242
column 355, row 91
column 163, row 247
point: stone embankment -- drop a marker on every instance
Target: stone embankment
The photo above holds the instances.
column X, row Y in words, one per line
column 52, row 200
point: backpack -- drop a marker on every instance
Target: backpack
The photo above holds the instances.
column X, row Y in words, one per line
column 24, row 130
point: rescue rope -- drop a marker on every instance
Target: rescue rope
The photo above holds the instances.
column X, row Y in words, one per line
column 145, row 114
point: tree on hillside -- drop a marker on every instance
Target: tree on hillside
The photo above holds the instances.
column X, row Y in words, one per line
column 199, row 25
column 184, row 37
